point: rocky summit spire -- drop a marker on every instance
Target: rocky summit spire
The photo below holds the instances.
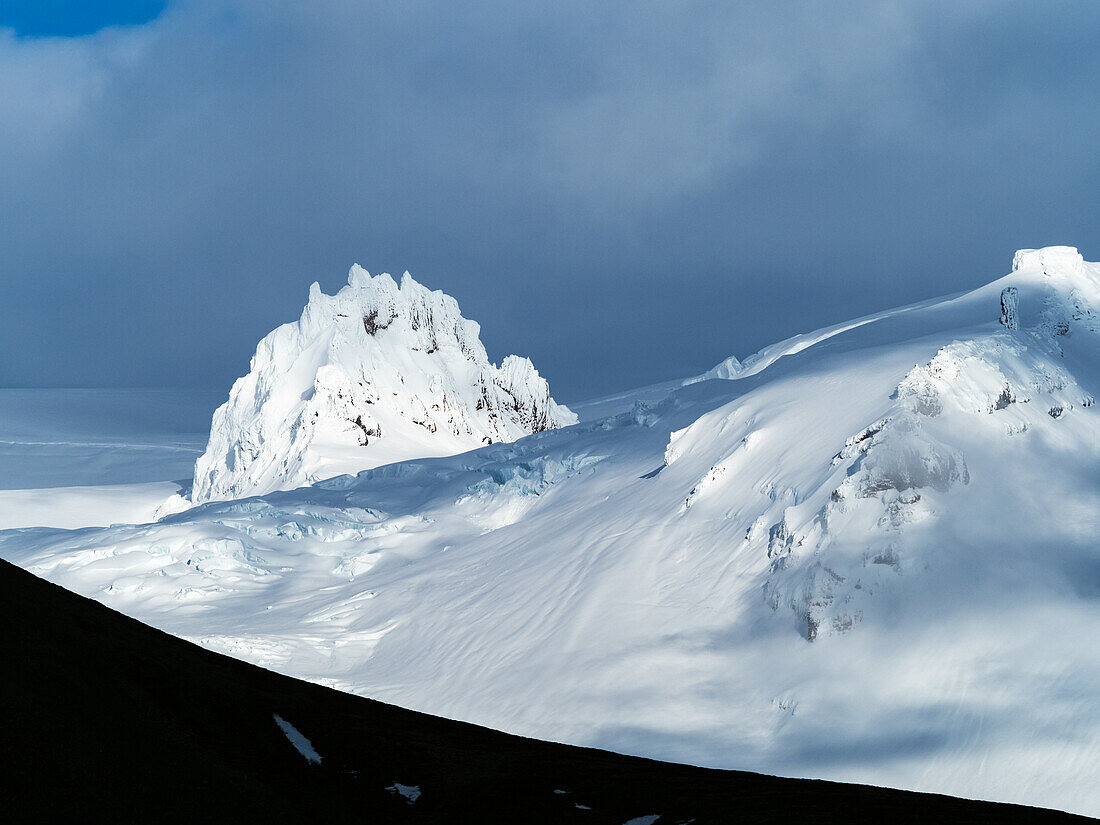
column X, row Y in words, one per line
column 374, row 374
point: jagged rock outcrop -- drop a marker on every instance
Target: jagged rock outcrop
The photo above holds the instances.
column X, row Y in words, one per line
column 374, row 374
column 1010, row 307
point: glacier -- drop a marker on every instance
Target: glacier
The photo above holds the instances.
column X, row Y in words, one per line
column 865, row 553
column 377, row 373
column 84, row 457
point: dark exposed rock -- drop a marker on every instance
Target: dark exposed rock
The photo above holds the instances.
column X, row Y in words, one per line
column 1010, row 304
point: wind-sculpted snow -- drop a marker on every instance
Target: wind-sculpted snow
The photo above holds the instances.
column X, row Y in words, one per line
column 374, row 374
column 874, row 560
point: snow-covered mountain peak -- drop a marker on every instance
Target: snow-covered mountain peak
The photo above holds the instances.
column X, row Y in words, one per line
column 1064, row 258
column 378, row 372
column 409, row 311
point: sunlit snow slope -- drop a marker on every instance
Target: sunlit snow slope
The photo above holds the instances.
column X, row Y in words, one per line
column 374, row 374
column 872, row 558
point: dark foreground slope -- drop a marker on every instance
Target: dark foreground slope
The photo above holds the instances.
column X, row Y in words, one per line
column 106, row 719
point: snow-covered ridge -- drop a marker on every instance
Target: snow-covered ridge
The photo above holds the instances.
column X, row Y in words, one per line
column 374, row 374
column 1049, row 260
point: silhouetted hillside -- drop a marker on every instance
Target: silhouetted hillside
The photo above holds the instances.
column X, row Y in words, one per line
column 106, row 719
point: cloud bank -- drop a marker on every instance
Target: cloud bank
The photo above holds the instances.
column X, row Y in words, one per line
column 626, row 192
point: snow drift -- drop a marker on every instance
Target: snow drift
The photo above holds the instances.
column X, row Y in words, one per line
column 374, row 374
column 867, row 553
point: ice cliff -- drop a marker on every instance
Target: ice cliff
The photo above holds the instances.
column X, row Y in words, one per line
column 374, row 374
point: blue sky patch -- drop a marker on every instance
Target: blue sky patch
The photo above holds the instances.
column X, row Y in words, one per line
column 72, row 18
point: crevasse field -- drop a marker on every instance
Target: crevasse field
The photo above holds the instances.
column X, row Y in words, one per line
column 867, row 553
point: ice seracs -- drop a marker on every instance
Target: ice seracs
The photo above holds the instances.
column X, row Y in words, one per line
column 1065, row 259
column 374, row 374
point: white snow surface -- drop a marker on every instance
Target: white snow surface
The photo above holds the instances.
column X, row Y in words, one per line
column 298, row 740
column 374, row 374
column 873, row 559
column 93, row 457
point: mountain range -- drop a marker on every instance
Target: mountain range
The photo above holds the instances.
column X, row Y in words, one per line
column 865, row 553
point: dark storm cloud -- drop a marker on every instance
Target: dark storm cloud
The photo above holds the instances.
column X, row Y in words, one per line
column 625, row 192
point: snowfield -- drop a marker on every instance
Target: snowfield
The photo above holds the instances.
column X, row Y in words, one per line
column 93, row 457
column 868, row 553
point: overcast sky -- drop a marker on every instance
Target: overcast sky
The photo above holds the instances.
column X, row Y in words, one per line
column 626, row 192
